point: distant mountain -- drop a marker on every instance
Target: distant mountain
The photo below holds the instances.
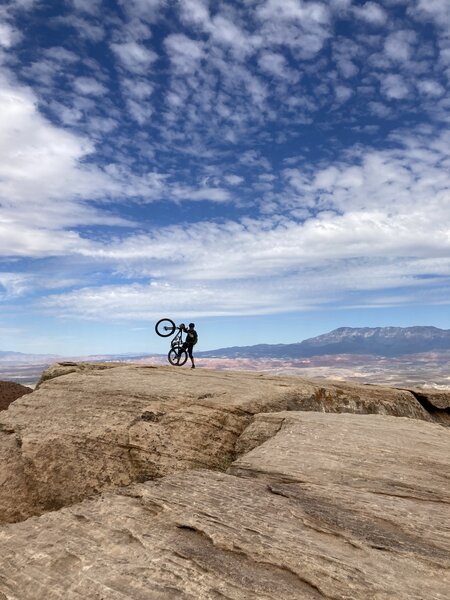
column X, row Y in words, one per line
column 21, row 357
column 379, row 341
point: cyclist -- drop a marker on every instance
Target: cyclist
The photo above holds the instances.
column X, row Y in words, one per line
column 191, row 340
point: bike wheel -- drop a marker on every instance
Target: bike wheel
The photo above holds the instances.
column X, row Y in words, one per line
column 165, row 327
column 177, row 359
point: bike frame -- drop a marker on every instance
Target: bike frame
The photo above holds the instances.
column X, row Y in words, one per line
column 177, row 340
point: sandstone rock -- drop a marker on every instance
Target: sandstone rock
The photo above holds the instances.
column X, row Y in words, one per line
column 64, row 368
column 10, row 391
column 435, row 402
column 94, row 427
column 439, row 399
column 338, row 396
column 339, row 506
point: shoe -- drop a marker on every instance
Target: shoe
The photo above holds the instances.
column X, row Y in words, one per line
column 193, row 367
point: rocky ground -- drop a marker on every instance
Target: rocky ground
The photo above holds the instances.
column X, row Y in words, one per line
column 165, row 483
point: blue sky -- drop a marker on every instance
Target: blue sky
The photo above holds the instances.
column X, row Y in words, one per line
column 271, row 169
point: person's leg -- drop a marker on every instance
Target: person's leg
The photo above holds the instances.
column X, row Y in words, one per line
column 190, row 348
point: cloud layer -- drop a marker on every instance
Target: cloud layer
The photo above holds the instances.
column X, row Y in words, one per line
column 224, row 158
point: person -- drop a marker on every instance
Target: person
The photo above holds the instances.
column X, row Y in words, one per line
column 191, row 340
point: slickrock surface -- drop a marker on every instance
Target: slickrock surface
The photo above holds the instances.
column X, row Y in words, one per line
column 329, row 506
column 97, row 427
column 10, row 391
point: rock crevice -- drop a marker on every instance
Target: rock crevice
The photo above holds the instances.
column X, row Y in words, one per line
column 436, row 404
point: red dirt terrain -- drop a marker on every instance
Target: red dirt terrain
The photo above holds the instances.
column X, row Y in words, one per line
column 10, row 391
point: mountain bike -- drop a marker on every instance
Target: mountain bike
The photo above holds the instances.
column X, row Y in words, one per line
column 177, row 354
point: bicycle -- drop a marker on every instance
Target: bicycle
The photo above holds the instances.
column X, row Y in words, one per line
column 177, row 355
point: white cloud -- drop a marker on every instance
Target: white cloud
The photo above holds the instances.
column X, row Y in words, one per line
column 302, row 26
column 227, row 33
column 91, row 7
column 67, row 115
column 137, row 93
column 143, row 302
column 394, row 87
column 147, row 10
column 399, row 45
column 309, row 12
column 42, row 180
column 89, row 86
column 435, row 10
column 432, row 88
column 275, row 64
column 254, row 158
column 137, row 88
column 8, row 35
column 135, row 30
column 31, row 149
column 13, row 285
column 22, row 4
column 185, row 53
column 195, row 12
column 379, row 109
column 102, row 125
column 140, row 111
column 234, row 179
column 86, row 29
column 135, row 57
column 46, row 186
column 375, row 217
column 222, row 28
column 61, row 55
column 371, row 13
column 42, row 72
column 346, row 67
column 258, row 269
column 211, row 194
column 20, row 239
column 343, row 93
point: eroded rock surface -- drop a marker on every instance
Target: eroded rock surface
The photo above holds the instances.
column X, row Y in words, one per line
column 91, row 427
column 330, row 506
column 10, row 391
column 435, row 402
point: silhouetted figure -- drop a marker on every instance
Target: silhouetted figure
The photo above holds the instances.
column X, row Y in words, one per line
column 191, row 340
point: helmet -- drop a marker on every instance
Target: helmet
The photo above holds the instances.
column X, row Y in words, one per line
column 192, row 325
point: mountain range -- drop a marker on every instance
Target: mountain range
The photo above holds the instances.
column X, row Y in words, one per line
column 384, row 353
column 380, row 341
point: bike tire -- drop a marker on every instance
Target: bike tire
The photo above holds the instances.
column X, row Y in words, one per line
column 165, row 327
column 177, row 359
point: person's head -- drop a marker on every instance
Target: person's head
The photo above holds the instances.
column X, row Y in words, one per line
column 191, row 325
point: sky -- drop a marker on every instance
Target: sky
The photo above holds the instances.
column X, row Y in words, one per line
column 270, row 169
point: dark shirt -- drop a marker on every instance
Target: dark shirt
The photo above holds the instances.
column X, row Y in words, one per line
column 191, row 336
